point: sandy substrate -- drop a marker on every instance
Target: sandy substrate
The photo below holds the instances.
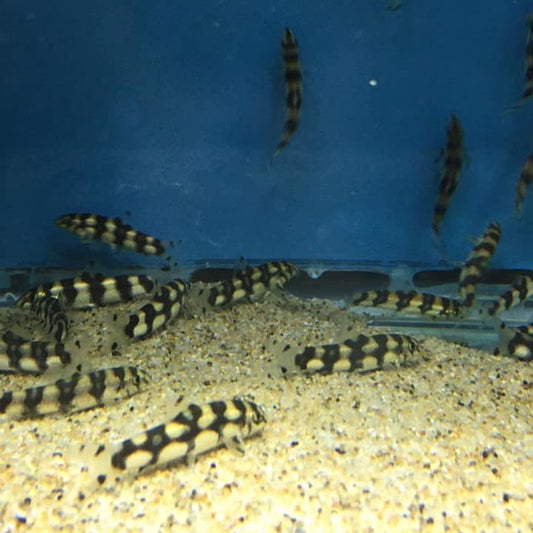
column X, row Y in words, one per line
column 444, row 443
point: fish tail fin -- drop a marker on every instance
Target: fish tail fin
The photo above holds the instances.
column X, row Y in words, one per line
column 277, row 151
column 75, row 358
column 283, row 354
column 79, row 351
column 505, row 334
column 95, row 468
column 196, row 299
column 116, row 337
column 104, row 341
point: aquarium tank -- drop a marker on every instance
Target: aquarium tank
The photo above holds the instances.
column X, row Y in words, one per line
column 374, row 156
column 168, row 116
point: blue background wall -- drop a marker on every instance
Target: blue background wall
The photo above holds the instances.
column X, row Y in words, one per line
column 172, row 110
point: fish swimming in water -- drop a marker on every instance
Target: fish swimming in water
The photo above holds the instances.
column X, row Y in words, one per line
column 361, row 354
column 528, row 84
column 525, row 179
column 519, row 292
column 112, row 231
column 194, row 430
column 476, row 262
column 454, row 155
column 250, row 284
column 51, row 312
column 90, row 290
column 293, row 89
column 528, row 89
column 21, row 356
column 166, row 304
column 410, row 302
column 75, row 393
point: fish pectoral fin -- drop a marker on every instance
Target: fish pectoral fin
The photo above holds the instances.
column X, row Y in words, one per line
column 196, row 299
column 190, row 459
column 235, row 443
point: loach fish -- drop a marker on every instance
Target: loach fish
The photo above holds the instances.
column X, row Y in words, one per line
column 249, row 284
column 516, row 342
column 361, row 354
column 89, row 290
column 293, row 89
column 32, row 357
column 525, row 179
column 410, row 302
column 52, row 313
column 165, row 305
column 519, row 292
column 194, row 430
column 453, row 162
column 112, row 231
column 476, row 261
column 75, row 393
column 528, row 85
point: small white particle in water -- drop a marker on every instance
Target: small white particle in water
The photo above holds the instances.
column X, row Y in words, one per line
column 373, row 82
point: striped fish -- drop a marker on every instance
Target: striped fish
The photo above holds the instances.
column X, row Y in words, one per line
column 112, row 231
column 293, row 89
column 362, row 354
column 165, row 305
column 453, row 162
column 476, row 262
column 516, row 342
column 410, row 302
column 525, row 179
column 75, row 393
column 51, row 312
column 519, row 292
column 194, row 430
column 31, row 357
column 89, row 290
column 528, row 84
column 249, row 284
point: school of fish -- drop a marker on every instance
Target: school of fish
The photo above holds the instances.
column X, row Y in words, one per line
column 199, row 427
